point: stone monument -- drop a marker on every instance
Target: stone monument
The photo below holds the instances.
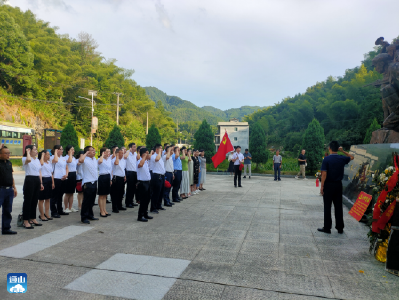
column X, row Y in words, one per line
column 387, row 63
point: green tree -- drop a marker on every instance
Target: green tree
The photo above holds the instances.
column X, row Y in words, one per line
column 374, row 126
column 204, row 139
column 313, row 143
column 69, row 137
column 16, row 58
column 258, row 145
column 153, row 137
column 115, row 138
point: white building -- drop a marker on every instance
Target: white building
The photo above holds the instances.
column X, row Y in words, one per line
column 238, row 133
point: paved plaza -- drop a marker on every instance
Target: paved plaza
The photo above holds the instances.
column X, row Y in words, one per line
column 255, row 242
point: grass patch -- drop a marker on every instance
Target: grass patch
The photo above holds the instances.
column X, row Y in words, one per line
column 16, row 162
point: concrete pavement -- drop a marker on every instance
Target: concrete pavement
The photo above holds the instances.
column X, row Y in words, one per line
column 255, row 242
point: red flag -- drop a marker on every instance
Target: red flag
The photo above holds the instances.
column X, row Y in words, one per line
column 224, row 148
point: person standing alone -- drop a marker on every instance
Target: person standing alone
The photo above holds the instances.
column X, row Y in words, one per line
column 237, row 159
column 247, row 162
column 8, row 191
column 277, row 159
column 332, row 170
column 302, row 162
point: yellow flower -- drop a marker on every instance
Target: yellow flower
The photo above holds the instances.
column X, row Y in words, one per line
column 361, row 271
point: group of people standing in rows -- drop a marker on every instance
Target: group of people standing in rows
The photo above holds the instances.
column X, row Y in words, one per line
column 51, row 180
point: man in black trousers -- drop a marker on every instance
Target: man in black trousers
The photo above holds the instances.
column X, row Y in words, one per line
column 8, row 191
column 331, row 185
column 237, row 159
column 131, row 175
column 89, row 183
column 157, row 180
column 143, row 188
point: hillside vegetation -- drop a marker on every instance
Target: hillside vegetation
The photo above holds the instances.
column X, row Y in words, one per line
column 52, row 70
column 184, row 111
column 345, row 107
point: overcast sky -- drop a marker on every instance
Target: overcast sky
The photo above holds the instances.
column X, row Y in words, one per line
column 227, row 53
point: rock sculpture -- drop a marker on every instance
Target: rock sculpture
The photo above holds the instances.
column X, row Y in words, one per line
column 387, row 63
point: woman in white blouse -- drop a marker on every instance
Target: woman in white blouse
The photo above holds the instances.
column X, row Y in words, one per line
column 48, row 185
column 104, row 182
column 60, row 174
column 70, row 182
column 32, row 186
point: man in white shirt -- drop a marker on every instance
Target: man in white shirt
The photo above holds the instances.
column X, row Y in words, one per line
column 277, row 159
column 237, row 159
column 131, row 175
column 143, row 188
column 157, row 180
column 169, row 174
column 165, row 149
column 118, row 180
column 89, row 183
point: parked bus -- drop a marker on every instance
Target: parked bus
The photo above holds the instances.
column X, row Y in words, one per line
column 16, row 137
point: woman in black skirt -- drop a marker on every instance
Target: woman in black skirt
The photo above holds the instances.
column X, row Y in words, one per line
column 48, row 184
column 104, row 182
column 79, row 189
column 32, row 186
column 70, row 183
column 60, row 174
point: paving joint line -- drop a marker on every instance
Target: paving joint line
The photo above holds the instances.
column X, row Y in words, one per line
column 185, row 279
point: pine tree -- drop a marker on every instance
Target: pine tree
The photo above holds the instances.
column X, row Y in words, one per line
column 204, row 139
column 115, row 138
column 313, row 143
column 153, row 137
column 374, row 126
column 258, row 145
column 69, row 137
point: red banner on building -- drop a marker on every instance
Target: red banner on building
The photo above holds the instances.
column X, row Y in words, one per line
column 361, row 205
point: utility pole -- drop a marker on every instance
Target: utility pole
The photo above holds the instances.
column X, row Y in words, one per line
column 117, row 106
column 147, row 124
column 93, row 93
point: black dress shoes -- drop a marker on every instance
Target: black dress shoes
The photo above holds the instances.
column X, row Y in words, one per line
column 161, row 208
column 177, row 201
column 108, row 201
column 63, row 213
column 324, row 230
column 142, row 219
column 86, row 221
column 8, row 231
column 340, row 231
column 167, row 205
column 122, row 208
column 105, row 216
column 154, row 211
column 108, row 215
column 148, row 217
column 57, row 216
column 93, row 219
column 240, row 186
column 130, row 206
column 134, row 204
column 115, row 211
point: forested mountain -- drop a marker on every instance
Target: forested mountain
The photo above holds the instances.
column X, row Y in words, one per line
column 52, row 70
column 183, row 110
column 345, row 106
